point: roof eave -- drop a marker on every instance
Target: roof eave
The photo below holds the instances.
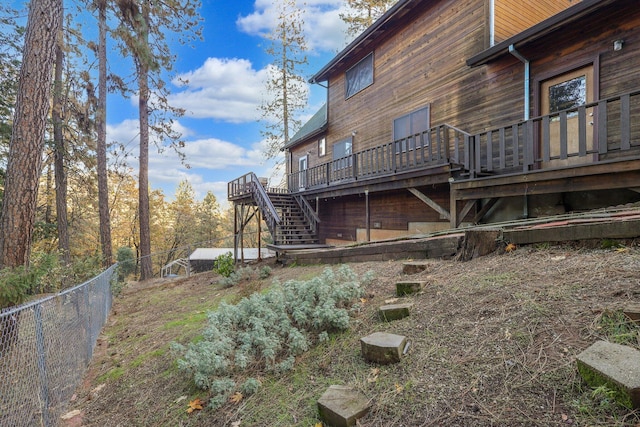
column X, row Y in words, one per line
column 307, row 137
column 539, row 30
column 359, row 42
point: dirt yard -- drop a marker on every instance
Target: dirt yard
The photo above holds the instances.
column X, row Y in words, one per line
column 493, row 343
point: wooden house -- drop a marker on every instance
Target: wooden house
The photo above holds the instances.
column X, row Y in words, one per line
column 447, row 112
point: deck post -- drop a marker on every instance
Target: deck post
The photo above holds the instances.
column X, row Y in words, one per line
column 453, row 210
column 258, row 216
column 367, row 214
column 235, row 233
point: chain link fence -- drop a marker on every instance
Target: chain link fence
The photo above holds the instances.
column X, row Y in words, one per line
column 45, row 346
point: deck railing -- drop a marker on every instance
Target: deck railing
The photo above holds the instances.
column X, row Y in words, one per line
column 437, row 146
column 605, row 130
column 309, row 214
column 249, row 184
column 598, row 131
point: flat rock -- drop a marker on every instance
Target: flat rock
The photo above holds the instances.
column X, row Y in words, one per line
column 409, row 287
column 615, row 366
column 382, row 347
column 391, row 312
column 341, row 406
column 632, row 311
column 415, row 267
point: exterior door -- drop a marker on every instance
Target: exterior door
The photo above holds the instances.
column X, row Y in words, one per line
column 303, row 165
column 563, row 92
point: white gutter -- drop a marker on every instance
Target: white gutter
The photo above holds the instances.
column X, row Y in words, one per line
column 492, row 23
column 514, row 52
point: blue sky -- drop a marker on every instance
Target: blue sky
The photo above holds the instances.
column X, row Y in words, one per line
column 226, row 74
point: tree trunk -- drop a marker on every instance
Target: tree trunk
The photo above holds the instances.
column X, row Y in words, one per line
column 59, row 150
column 27, row 140
column 146, row 271
column 101, row 146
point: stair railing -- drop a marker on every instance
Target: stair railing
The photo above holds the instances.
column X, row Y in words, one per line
column 259, row 194
column 309, row 213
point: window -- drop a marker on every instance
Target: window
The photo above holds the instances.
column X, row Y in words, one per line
column 322, row 147
column 359, row 76
column 342, row 154
column 568, row 94
column 406, row 127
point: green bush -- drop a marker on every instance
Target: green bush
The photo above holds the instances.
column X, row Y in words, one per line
column 225, row 264
column 126, row 262
column 43, row 275
column 267, row 331
column 264, row 272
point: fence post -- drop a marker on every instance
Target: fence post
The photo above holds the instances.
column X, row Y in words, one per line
column 42, row 365
column 87, row 298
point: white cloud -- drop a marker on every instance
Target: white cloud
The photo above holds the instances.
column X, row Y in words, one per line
column 212, row 162
column 323, row 28
column 226, row 89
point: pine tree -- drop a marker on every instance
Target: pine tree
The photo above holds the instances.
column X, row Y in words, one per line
column 143, row 31
column 27, row 140
column 363, row 13
column 286, row 86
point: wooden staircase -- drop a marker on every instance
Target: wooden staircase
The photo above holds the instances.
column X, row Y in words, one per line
column 294, row 228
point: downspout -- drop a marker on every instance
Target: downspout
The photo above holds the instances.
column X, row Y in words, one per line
column 514, row 52
column 492, row 23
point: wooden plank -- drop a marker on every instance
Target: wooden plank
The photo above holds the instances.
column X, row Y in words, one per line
column 546, row 139
column 625, row 128
column 563, row 135
column 522, row 185
column 429, row 202
column 502, row 148
column 489, row 151
column 598, row 230
column 515, row 145
column 483, row 211
column 582, row 131
column 602, row 127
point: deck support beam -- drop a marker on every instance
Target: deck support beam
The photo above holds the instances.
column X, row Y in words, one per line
column 429, row 202
column 243, row 214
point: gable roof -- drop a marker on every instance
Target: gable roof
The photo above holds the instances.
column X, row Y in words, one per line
column 386, row 24
column 316, row 125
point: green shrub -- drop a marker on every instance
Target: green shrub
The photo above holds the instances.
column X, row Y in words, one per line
column 15, row 285
column 264, row 272
column 225, row 265
column 266, row 331
column 44, row 275
column 242, row 274
column 126, row 262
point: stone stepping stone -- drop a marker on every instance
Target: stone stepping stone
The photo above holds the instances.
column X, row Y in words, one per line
column 341, row 406
column 391, row 312
column 632, row 311
column 415, row 267
column 382, row 347
column 615, row 366
column 410, row 287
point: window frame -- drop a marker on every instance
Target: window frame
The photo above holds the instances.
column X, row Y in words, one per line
column 345, row 161
column 350, row 90
column 322, row 147
column 401, row 142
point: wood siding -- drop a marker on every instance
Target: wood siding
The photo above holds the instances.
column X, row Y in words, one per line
column 425, row 65
column 515, row 16
column 342, row 217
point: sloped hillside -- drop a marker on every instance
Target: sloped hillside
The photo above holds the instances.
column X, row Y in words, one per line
column 493, row 343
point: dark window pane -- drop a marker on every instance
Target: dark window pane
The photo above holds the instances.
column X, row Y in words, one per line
column 569, row 94
column 359, row 76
